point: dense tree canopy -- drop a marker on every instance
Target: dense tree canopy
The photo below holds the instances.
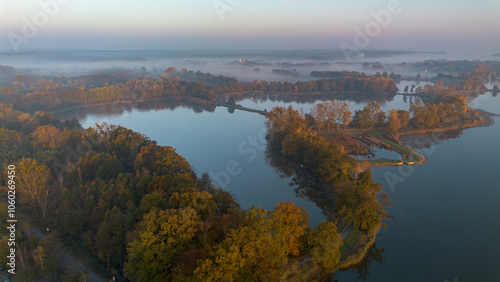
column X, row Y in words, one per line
column 140, row 209
column 330, row 165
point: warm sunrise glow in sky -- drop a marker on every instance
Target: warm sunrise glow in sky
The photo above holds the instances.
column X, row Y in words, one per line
column 196, row 24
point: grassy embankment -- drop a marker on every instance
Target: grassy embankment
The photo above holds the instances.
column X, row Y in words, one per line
column 409, row 155
column 377, row 137
column 391, row 141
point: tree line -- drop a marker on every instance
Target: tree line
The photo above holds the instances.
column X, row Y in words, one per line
column 29, row 93
column 453, row 110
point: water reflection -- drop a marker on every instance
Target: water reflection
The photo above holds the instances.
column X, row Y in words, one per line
column 426, row 140
column 380, row 98
column 119, row 108
column 378, row 153
column 362, row 269
column 305, row 185
column 199, row 105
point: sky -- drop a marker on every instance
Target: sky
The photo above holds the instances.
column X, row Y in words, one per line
column 423, row 25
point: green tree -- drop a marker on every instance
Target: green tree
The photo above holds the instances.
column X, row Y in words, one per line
column 370, row 116
column 205, row 207
column 418, row 111
column 404, row 118
column 161, row 160
column 228, row 265
column 39, row 256
column 325, row 243
column 345, row 115
column 110, row 237
column 319, row 113
column 358, row 202
column 293, row 221
column 362, row 119
column 254, row 251
column 161, row 236
column 431, row 118
column 282, row 121
column 461, row 103
column 380, row 118
column 394, row 122
column 45, row 136
column 33, row 186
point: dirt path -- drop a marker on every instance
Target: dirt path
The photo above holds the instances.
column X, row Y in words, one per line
column 69, row 263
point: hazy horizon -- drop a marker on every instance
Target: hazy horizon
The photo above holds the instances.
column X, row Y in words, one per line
column 446, row 26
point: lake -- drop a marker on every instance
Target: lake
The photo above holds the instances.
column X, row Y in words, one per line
column 446, row 211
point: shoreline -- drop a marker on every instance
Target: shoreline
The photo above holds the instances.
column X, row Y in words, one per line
column 314, row 272
column 74, row 107
column 409, row 156
column 308, row 270
column 216, row 101
column 196, row 100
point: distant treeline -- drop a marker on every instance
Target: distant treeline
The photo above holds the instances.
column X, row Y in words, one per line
column 285, row 72
column 199, row 76
column 31, row 93
column 336, row 74
column 458, row 72
column 452, row 110
column 459, row 66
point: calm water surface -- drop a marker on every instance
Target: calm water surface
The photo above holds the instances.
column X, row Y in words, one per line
column 446, row 211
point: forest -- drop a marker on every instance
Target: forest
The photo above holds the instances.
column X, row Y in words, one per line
column 30, row 93
column 140, row 210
